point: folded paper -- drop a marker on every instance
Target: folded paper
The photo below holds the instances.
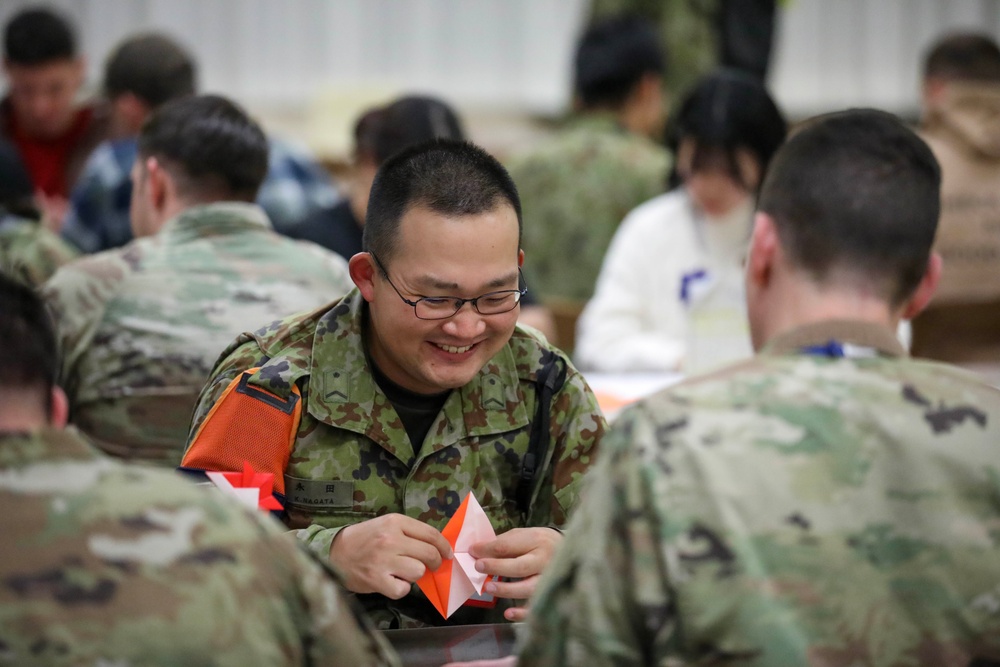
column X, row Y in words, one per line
column 250, row 487
column 457, row 580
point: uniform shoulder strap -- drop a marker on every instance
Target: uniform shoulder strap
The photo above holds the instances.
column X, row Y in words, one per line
column 548, row 381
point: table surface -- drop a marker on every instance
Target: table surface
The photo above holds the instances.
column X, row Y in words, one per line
column 614, row 391
column 433, row 647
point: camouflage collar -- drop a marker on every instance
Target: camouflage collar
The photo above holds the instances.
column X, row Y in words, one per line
column 343, row 392
column 44, row 444
column 216, row 219
column 852, row 332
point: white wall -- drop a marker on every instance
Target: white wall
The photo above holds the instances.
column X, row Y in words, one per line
column 312, row 63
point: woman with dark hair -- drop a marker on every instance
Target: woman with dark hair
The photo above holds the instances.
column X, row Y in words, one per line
column 670, row 293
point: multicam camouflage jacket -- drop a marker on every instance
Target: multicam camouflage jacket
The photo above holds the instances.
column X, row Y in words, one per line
column 107, row 564
column 352, row 459
column 795, row 509
column 575, row 189
column 29, row 252
column 141, row 326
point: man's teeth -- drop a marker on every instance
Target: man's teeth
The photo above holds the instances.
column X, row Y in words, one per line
column 455, row 350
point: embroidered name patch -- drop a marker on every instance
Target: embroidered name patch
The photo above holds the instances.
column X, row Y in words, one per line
column 319, row 492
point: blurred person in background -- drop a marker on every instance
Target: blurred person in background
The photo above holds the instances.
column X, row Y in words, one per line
column 141, row 326
column 579, row 184
column 674, row 270
column 961, row 123
column 142, row 73
column 40, row 114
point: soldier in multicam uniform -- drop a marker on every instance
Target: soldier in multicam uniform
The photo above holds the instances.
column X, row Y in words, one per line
column 418, row 388
column 140, row 327
column 578, row 185
column 106, row 564
column 831, row 502
column 28, row 251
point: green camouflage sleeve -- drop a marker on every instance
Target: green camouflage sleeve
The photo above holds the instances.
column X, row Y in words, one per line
column 77, row 296
column 602, row 600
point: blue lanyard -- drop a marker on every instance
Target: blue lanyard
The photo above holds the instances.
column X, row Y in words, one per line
column 836, row 350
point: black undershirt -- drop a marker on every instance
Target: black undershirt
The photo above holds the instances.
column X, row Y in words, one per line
column 416, row 411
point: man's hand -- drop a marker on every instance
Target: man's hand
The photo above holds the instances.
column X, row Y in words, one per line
column 521, row 553
column 387, row 554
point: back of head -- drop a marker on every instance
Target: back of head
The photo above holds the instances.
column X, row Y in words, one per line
column 38, row 36
column 214, row 150
column 406, row 122
column 152, row 67
column 856, row 194
column 964, row 57
column 728, row 110
column 27, row 339
column 449, row 177
column 16, row 190
column 611, row 58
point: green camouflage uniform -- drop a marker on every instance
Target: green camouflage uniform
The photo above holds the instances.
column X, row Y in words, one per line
column 141, row 326
column 575, row 189
column 790, row 510
column 29, row 252
column 352, row 459
column 107, row 564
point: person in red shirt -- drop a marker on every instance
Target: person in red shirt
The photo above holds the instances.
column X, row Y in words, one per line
column 40, row 115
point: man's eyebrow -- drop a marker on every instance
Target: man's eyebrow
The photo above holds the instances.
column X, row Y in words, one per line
column 429, row 282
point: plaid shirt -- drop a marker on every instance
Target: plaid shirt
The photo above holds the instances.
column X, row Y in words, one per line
column 98, row 218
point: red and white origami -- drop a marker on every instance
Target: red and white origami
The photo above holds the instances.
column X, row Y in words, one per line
column 250, row 487
column 457, row 580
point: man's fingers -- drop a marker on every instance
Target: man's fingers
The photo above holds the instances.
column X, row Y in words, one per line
column 425, row 533
column 515, row 568
column 426, row 554
column 395, row 588
column 516, row 614
column 517, row 590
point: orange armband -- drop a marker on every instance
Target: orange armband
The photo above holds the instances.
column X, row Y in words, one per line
column 249, row 424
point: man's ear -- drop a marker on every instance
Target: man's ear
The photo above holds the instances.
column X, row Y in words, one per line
column 158, row 183
column 925, row 289
column 520, row 258
column 764, row 249
column 363, row 273
column 59, row 415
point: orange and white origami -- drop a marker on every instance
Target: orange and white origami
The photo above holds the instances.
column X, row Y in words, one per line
column 457, row 580
column 250, row 487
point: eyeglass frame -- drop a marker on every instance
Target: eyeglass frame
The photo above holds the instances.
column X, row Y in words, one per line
column 520, row 291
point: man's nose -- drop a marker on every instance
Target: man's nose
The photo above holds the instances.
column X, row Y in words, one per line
column 466, row 323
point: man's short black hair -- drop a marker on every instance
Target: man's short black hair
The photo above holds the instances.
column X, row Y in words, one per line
column 612, row 56
column 214, row 149
column 965, row 56
column 153, row 67
column 28, row 341
column 38, row 36
column 446, row 176
column 859, row 193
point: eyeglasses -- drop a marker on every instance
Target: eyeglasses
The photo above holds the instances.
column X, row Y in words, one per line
column 443, row 307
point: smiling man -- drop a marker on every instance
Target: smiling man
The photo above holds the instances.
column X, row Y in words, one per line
column 416, row 388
